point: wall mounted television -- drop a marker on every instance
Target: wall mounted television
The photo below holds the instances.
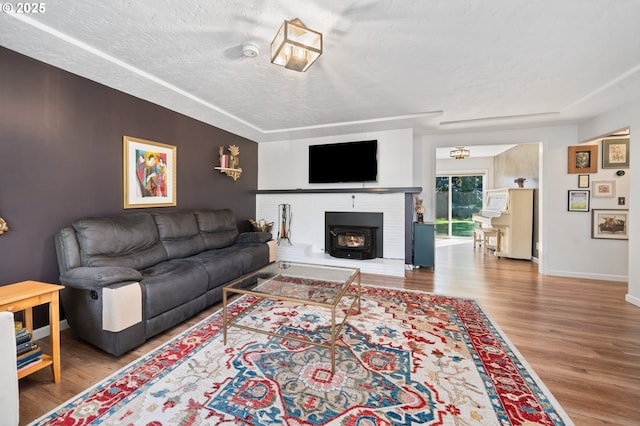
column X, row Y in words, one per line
column 344, row 162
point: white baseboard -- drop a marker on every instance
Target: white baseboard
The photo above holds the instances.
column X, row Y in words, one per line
column 574, row 274
column 632, row 299
column 45, row 331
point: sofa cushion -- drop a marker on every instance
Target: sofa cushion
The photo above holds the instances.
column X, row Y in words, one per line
column 222, row 265
column 179, row 234
column 217, row 228
column 252, row 256
column 129, row 240
column 170, row 284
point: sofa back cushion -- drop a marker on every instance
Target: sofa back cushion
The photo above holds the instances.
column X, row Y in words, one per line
column 179, row 234
column 129, row 240
column 217, row 227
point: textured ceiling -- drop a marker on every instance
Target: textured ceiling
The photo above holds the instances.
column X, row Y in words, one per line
column 435, row 66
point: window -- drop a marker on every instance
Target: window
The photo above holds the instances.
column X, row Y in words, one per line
column 457, row 198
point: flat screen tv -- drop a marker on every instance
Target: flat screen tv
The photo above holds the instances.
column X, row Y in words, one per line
column 344, row 162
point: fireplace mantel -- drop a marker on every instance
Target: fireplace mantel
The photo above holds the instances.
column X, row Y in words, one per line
column 379, row 190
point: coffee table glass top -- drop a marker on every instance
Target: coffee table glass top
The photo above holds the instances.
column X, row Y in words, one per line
column 299, row 281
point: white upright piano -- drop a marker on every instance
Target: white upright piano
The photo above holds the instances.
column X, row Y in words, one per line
column 510, row 211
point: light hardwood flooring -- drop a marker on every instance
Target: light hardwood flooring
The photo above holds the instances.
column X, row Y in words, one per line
column 580, row 336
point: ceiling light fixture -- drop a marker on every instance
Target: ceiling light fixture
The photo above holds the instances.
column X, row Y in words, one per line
column 459, row 153
column 295, row 46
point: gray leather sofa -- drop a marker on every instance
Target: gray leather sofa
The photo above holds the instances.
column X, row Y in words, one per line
column 133, row 276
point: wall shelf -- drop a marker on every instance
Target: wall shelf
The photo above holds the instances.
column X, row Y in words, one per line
column 380, row 190
column 233, row 173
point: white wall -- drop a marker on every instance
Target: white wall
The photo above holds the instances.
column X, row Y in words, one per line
column 481, row 165
column 284, row 165
column 625, row 116
column 566, row 246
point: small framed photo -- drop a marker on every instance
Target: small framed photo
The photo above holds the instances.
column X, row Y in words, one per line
column 603, row 189
column 615, row 153
column 578, row 201
column 610, row 224
column 583, row 181
column 583, row 159
column 149, row 173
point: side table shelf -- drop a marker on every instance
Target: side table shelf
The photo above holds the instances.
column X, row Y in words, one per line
column 24, row 296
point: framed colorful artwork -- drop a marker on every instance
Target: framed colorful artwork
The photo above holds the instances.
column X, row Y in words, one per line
column 578, row 201
column 615, row 153
column 610, row 224
column 149, row 176
column 583, row 159
column 603, row 189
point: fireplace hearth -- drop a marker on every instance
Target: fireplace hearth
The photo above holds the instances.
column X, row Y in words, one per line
column 353, row 235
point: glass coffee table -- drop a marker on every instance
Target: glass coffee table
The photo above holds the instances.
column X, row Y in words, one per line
column 315, row 285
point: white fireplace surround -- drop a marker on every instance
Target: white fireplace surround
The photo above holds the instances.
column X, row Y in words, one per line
column 307, row 226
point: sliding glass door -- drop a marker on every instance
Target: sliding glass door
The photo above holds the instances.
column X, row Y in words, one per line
column 457, row 198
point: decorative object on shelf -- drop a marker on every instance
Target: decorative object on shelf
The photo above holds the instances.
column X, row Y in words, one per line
column 460, row 153
column 261, row 225
column 603, row 189
column 149, row 173
column 610, row 224
column 419, row 210
column 229, row 162
column 520, row 182
column 615, row 153
column 295, row 46
column 578, row 201
column 284, row 232
column 583, row 159
column 3, row 226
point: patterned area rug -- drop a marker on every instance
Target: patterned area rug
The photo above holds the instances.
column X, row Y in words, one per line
column 408, row 358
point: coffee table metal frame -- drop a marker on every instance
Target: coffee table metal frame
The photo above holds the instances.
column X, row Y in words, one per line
column 336, row 329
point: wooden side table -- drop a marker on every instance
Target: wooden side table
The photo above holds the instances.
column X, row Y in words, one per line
column 23, row 296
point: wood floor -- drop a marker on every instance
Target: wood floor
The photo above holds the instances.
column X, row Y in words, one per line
column 580, row 336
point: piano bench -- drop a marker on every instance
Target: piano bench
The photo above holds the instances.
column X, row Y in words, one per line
column 482, row 236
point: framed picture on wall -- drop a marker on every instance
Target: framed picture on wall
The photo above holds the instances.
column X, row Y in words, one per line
column 610, row 224
column 583, row 159
column 578, row 201
column 615, row 153
column 603, row 189
column 149, row 173
column 583, row 181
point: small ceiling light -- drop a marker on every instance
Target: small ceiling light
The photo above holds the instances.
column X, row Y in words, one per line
column 295, row 46
column 459, row 153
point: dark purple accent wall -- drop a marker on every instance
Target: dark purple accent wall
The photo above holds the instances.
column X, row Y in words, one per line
column 61, row 159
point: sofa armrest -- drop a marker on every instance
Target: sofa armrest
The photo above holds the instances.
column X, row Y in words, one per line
column 92, row 277
column 253, row 237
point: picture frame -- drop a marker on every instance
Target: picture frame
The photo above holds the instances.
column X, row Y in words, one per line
column 583, row 181
column 603, row 189
column 615, row 153
column 583, row 159
column 578, row 200
column 610, row 224
column 149, row 173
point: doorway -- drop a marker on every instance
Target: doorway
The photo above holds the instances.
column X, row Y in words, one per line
column 458, row 197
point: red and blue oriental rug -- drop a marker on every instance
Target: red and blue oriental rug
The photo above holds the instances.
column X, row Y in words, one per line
column 409, row 358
